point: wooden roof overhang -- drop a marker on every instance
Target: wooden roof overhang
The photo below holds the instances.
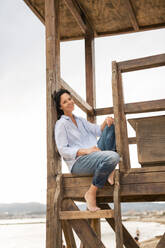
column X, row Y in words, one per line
column 104, row 17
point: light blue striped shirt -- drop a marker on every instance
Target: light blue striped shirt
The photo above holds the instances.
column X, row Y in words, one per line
column 70, row 138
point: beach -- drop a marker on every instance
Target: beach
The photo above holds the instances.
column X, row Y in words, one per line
column 31, row 233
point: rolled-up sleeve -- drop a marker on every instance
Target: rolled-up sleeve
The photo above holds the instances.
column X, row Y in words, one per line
column 67, row 152
column 93, row 128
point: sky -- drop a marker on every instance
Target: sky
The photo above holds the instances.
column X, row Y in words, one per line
column 23, row 92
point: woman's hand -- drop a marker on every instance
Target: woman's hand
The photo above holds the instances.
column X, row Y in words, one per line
column 93, row 149
column 86, row 151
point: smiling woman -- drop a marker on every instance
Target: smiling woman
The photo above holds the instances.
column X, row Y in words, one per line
column 76, row 140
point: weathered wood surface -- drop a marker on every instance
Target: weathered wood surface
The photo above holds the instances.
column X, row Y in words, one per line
column 138, row 183
column 150, row 132
column 90, row 74
column 77, row 99
column 74, row 215
column 128, row 240
column 132, row 15
column 161, row 243
column 68, row 234
column 117, row 212
column 82, row 228
column 135, row 107
column 142, row 63
column 120, row 119
column 108, row 17
column 52, row 16
column 56, row 226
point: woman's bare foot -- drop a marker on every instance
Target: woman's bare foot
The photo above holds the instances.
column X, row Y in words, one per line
column 90, row 198
column 111, row 178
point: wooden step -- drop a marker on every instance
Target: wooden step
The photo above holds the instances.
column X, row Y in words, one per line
column 73, row 215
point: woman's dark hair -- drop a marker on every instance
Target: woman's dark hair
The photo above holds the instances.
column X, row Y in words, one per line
column 57, row 98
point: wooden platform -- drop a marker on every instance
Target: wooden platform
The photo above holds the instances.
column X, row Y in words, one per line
column 104, row 17
column 139, row 184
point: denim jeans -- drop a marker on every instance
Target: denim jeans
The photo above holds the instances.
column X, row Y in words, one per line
column 100, row 164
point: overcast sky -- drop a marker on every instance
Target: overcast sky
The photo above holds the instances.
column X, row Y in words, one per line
column 23, row 92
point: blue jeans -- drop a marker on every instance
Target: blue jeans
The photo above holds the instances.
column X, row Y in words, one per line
column 100, row 164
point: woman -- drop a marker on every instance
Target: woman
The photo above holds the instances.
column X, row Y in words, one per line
column 76, row 140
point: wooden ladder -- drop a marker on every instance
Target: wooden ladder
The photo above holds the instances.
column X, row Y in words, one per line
column 68, row 217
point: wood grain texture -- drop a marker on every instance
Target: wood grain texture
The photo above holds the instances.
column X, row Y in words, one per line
column 82, row 228
column 90, row 74
column 76, row 215
column 119, row 118
column 128, row 240
column 150, row 134
column 142, row 63
column 106, row 17
column 68, row 234
column 117, row 212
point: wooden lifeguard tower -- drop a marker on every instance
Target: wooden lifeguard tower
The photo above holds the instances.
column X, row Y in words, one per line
column 86, row 19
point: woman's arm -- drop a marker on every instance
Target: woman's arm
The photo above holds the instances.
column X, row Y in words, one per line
column 86, row 151
column 108, row 121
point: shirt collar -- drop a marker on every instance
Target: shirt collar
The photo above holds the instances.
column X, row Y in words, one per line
column 67, row 117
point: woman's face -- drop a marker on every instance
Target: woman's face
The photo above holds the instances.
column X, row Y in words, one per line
column 66, row 103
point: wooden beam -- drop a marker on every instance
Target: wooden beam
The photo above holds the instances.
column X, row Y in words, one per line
column 52, row 15
column 117, row 212
column 128, row 240
column 90, row 74
column 132, row 140
column 132, row 15
column 76, row 215
column 35, row 11
column 68, row 234
column 82, row 228
column 83, row 105
column 142, row 63
column 80, row 16
column 119, row 118
column 135, row 107
column 161, row 243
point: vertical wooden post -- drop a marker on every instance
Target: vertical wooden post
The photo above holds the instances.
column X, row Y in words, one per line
column 91, row 95
column 53, row 225
column 117, row 212
column 120, row 119
column 90, row 73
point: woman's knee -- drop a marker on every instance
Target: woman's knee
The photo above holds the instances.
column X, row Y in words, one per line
column 113, row 157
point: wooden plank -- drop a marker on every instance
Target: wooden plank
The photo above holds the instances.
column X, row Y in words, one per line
column 56, row 225
column 156, row 177
column 53, row 236
column 90, row 74
column 132, row 140
column 77, row 99
column 74, row 215
column 119, row 117
column 68, row 234
column 161, row 243
column 132, row 15
column 128, row 240
column 131, row 190
column 132, row 170
column 35, row 11
column 144, row 107
column 117, row 212
column 136, row 107
column 80, row 16
column 142, row 63
column 52, row 78
column 82, row 228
